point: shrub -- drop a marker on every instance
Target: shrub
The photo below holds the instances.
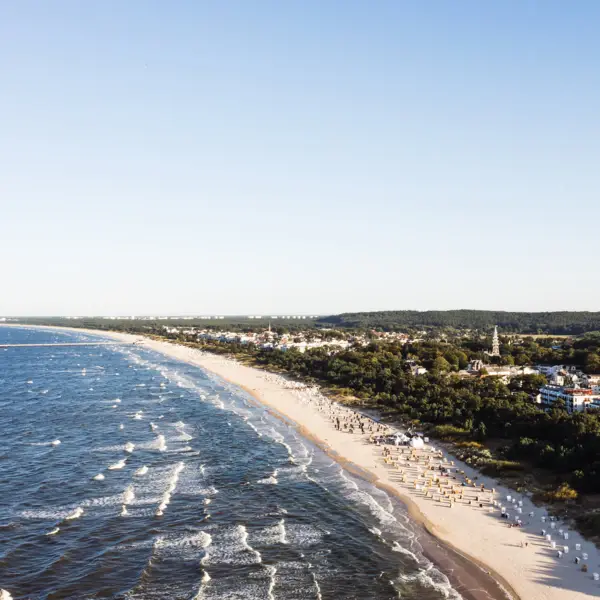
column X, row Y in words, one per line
column 469, row 444
column 563, row 493
column 449, row 432
column 494, row 467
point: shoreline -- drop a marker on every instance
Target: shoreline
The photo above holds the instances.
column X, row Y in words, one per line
column 482, row 557
column 478, row 580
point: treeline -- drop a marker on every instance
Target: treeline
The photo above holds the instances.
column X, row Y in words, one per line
column 557, row 323
column 236, row 324
column 583, row 352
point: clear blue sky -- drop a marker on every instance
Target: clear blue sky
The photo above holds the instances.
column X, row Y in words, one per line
column 315, row 156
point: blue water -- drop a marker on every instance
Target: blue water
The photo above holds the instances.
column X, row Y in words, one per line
column 233, row 503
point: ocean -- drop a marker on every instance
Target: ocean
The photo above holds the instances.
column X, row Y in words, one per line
column 127, row 474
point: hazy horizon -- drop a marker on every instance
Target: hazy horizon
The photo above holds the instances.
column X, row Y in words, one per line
column 268, row 315
column 240, row 158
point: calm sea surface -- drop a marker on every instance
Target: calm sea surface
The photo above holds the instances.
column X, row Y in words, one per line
column 169, row 483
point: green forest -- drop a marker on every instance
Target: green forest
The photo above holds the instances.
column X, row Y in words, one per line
column 557, row 323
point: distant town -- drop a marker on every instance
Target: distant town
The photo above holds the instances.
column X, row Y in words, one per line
column 569, row 385
column 578, row 390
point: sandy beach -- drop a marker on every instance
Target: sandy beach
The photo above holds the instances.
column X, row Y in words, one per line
column 453, row 502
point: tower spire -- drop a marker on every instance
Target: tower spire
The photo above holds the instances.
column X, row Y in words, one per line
column 495, row 343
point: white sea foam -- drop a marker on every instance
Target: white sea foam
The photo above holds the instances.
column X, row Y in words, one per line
column 282, row 532
column 121, row 426
column 384, row 516
column 317, row 587
column 281, row 440
column 153, row 427
column 53, row 532
column 432, row 578
column 272, row 572
column 271, row 480
column 161, row 443
column 347, row 480
column 303, row 535
column 207, row 540
column 103, row 501
column 54, row 443
column 75, row 514
column 396, row 547
column 166, row 499
column 258, row 433
column 129, row 447
column 230, row 546
column 183, row 436
column 99, row 477
column 138, row 415
column 142, row 470
column 124, row 511
column 5, row 595
column 108, row 449
column 270, row 535
column 183, row 547
column 128, row 495
column 117, row 465
column 244, row 539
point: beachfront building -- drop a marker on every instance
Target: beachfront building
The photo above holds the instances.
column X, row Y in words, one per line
column 576, row 399
column 568, row 375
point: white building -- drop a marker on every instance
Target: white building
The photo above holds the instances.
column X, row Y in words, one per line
column 576, row 399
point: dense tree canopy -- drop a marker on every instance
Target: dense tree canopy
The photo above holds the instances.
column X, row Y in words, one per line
column 567, row 323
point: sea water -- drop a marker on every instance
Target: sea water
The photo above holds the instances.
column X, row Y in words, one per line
column 170, row 483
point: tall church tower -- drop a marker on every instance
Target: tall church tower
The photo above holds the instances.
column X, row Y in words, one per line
column 495, row 343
